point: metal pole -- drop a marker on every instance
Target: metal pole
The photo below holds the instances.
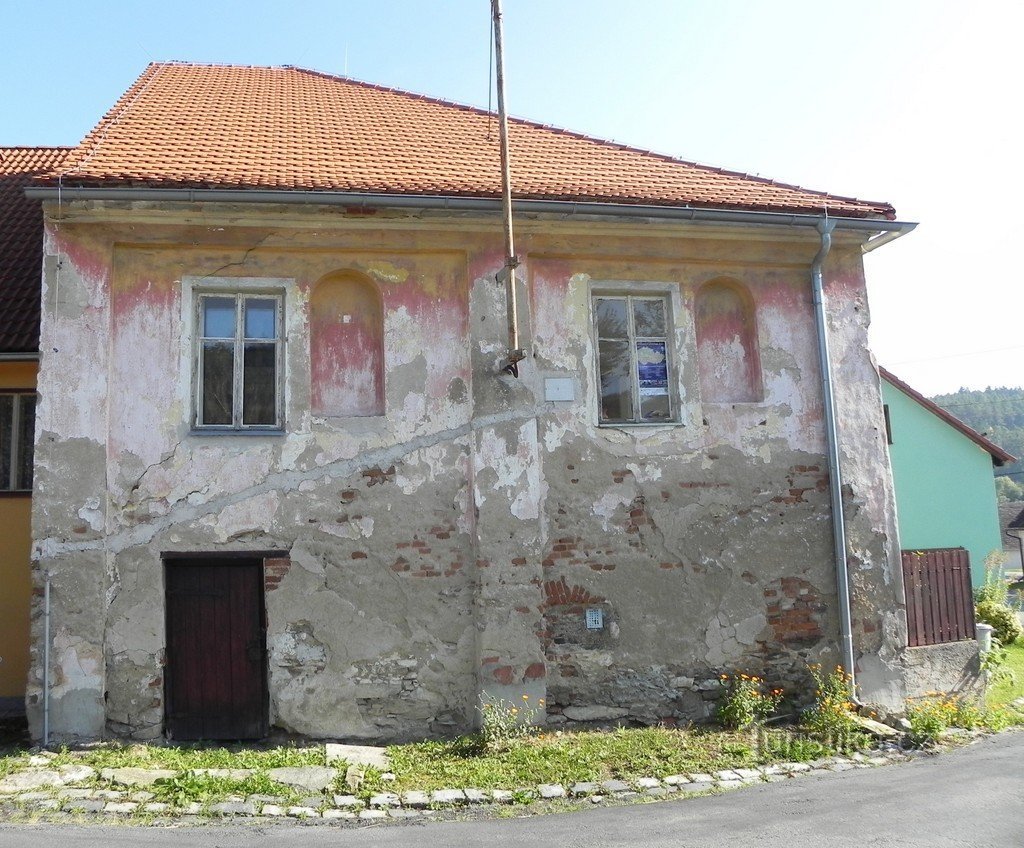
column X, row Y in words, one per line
column 516, row 354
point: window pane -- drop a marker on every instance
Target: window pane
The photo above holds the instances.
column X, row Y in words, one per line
column 611, row 318
column 6, row 439
column 219, row 317
column 649, row 318
column 26, row 440
column 260, row 318
column 616, row 385
column 652, row 377
column 218, row 379
column 259, row 385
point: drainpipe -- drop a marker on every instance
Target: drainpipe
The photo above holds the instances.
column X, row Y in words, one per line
column 508, row 274
column 46, row 663
column 825, row 227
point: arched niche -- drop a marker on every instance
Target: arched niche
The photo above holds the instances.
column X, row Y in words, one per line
column 727, row 354
column 346, row 340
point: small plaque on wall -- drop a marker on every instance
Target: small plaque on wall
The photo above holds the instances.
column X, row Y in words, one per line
column 595, row 619
column 559, row 388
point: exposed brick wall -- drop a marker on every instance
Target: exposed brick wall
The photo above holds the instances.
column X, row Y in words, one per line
column 794, row 611
column 274, row 571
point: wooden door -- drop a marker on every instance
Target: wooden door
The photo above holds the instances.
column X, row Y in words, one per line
column 216, row 670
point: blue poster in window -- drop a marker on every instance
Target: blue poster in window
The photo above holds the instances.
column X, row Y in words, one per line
column 652, row 368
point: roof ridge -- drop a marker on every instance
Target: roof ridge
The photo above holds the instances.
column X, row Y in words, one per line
column 38, row 146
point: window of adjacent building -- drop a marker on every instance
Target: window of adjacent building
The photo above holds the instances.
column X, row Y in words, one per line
column 17, row 434
column 634, row 359
column 239, row 352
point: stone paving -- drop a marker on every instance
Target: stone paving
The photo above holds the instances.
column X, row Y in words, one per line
column 125, row 792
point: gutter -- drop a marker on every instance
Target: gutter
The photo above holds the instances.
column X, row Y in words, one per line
column 16, row 356
column 825, row 227
column 887, row 230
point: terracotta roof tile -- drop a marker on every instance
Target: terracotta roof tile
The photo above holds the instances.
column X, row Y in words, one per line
column 223, row 126
column 21, row 244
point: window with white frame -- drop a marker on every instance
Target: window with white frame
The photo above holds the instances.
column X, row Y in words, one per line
column 17, row 434
column 634, row 358
column 239, row 355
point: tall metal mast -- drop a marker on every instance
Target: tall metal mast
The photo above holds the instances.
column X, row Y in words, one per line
column 508, row 274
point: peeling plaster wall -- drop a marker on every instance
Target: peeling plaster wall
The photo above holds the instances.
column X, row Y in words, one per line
column 450, row 547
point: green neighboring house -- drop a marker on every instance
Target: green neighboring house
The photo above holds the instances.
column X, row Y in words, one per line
column 942, row 475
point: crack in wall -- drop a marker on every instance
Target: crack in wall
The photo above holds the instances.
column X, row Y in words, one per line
column 280, row 481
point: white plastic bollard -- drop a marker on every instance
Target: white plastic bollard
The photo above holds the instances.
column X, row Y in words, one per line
column 983, row 633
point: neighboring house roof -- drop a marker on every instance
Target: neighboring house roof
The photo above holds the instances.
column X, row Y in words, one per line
column 1011, row 517
column 1018, row 522
column 184, row 125
column 21, row 244
column 999, row 456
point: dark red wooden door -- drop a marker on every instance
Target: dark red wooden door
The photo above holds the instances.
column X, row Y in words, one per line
column 216, row 671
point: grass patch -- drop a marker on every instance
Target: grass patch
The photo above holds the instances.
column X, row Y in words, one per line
column 188, row 786
column 1006, row 691
column 189, row 757
column 568, row 758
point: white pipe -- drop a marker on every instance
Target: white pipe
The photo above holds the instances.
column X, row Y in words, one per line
column 835, row 475
column 46, row 663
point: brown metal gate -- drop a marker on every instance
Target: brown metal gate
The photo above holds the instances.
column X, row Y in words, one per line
column 940, row 605
column 216, row 682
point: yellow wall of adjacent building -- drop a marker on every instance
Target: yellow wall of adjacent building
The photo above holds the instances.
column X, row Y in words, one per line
column 15, row 563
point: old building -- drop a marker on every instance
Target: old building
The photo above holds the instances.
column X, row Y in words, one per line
column 283, row 476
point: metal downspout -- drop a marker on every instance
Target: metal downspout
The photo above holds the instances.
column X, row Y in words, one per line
column 835, row 477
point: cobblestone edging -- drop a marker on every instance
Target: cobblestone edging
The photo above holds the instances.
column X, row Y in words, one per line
column 61, row 798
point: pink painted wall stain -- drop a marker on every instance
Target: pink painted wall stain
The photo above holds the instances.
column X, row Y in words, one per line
column 346, row 347
column 727, row 345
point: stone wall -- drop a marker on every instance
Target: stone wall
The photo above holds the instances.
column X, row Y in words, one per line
column 452, row 546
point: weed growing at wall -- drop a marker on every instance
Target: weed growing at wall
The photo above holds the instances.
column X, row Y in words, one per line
column 932, row 714
column 504, row 724
column 747, row 701
column 831, row 716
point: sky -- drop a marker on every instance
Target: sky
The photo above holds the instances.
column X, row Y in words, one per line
column 915, row 102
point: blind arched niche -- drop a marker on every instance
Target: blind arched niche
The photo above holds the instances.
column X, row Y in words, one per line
column 346, row 339
column 730, row 368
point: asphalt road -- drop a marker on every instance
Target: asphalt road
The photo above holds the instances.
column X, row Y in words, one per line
column 971, row 797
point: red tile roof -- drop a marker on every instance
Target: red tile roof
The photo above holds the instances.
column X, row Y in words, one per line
column 21, row 244
column 217, row 126
column 999, row 456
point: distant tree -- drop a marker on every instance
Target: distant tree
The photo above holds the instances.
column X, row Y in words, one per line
column 1008, row 490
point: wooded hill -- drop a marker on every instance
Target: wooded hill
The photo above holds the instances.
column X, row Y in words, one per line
column 998, row 414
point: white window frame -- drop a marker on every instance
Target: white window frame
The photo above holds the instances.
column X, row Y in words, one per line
column 15, row 449
column 239, row 294
column 630, row 295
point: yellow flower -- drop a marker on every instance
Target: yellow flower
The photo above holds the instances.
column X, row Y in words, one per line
column 541, row 702
column 526, row 697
